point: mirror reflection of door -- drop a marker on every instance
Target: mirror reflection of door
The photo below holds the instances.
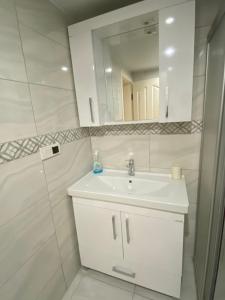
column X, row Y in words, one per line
column 128, row 100
column 146, row 99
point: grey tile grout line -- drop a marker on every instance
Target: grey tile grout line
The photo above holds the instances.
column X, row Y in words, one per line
column 45, row 36
column 53, row 275
column 53, row 223
column 36, row 83
column 29, row 258
column 25, row 66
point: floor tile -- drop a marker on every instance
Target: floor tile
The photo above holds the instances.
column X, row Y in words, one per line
column 74, row 285
column 92, row 289
column 111, row 280
column 93, row 285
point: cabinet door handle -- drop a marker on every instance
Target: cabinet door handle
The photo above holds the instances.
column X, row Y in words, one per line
column 127, row 231
column 167, row 111
column 114, row 227
column 131, row 274
column 167, row 102
column 91, row 109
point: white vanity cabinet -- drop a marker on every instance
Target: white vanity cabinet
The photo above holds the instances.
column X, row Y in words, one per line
column 139, row 245
column 175, row 23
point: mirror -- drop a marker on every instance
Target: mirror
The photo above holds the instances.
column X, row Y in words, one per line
column 128, row 54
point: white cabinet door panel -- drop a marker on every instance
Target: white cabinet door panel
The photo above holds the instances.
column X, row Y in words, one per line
column 84, row 77
column 99, row 236
column 153, row 248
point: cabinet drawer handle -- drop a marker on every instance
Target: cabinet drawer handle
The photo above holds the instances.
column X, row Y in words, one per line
column 127, row 231
column 115, row 269
column 91, row 109
column 114, row 227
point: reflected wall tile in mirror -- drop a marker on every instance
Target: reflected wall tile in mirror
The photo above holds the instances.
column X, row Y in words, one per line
column 11, row 56
column 22, row 184
column 33, row 275
column 74, row 161
column 47, row 62
column 114, row 151
column 23, row 236
column 16, row 114
column 181, row 149
column 43, row 17
column 54, row 109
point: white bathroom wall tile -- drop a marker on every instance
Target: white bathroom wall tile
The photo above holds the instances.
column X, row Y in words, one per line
column 11, row 55
column 63, row 170
column 114, row 151
column 43, row 17
column 189, row 246
column 200, row 50
column 65, row 227
column 54, row 109
column 71, row 266
column 22, row 184
column 191, row 178
column 30, row 280
column 55, row 288
column 67, row 238
column 92, row 289
column 16, row 114
column 22, row 237
column 167, row 150
column 198, row 97
column 45, row 59
column 63, row 211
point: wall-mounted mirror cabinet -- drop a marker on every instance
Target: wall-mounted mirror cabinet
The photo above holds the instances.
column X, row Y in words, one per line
column 135, row 64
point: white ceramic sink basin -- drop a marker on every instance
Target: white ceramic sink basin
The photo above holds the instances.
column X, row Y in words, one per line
column 148, row 190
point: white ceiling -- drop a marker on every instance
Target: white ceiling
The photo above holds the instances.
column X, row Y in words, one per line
column 206, row 11
column 77, row 10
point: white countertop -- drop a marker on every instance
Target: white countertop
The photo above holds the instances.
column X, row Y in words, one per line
column 148, row 190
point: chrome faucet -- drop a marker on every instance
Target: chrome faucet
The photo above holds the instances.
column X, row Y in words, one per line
column 131, row 168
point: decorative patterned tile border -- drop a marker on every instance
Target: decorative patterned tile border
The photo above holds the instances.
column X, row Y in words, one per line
column 16, row 149
column 150, row 128
column 20, row 148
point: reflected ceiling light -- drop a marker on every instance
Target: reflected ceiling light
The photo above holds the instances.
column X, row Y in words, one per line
column 169, row 20
column 108, row 70
column 170, row 69
column 169, row 51
column 64, row 68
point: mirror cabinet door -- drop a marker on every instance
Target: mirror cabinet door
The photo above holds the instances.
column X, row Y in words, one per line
column 137, row 70
column 176, row 61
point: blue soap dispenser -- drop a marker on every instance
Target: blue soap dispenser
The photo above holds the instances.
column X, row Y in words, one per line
column 97, row 165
